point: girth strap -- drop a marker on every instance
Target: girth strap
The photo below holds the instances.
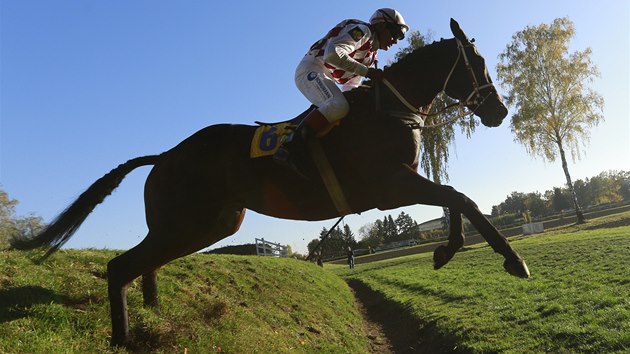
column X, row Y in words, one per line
column 329, row 177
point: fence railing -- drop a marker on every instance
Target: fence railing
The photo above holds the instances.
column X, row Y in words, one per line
column 266, row 248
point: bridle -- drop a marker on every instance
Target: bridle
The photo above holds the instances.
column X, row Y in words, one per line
column 474, row 98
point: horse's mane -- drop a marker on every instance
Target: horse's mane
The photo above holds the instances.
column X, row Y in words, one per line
column 363, row 95
column 417, row 56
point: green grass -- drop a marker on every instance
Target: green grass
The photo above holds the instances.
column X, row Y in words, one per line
column 209, row 303
column 577, row 300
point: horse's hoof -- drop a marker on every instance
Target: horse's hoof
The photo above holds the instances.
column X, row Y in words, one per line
column 118, row 341
column 517, row 268
column 441, row 256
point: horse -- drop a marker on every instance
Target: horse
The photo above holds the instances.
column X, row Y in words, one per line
column 197, row 192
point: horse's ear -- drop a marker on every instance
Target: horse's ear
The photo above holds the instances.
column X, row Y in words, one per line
column 457, row 31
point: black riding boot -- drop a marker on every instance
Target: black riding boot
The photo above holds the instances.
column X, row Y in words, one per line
column 292, row 153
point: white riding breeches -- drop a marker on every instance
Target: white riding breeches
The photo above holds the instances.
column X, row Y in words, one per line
column 321, row 91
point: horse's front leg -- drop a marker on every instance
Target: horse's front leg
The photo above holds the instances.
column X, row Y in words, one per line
column 406, row 187
column 444, row 253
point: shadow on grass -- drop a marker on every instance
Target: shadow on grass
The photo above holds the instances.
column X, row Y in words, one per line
column 405, row 333
column 16, row 302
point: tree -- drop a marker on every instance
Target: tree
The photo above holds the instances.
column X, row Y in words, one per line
column 622, row 180
column 559, row 200
column 496, row 211
column 348, row 236
column 535, row 204
column 407, row 226
column 311, row 245
column 548, row 87
column 514, row 203
column 332, row 246
column 7, row 210
column 606, row 188
column 390, row 231
column 11, row 225
column 371, row 235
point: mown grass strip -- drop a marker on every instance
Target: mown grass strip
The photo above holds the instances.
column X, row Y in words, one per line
column 577, row 300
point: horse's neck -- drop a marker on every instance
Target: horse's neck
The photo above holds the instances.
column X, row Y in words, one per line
column 420, row 76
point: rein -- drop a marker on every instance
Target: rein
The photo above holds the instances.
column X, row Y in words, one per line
column 322, row 239
column 461, row 52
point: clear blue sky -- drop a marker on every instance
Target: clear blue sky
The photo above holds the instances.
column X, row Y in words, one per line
column 87, row 85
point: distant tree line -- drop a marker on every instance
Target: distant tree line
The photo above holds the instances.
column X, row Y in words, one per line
column 372, row 235
column 605, row 188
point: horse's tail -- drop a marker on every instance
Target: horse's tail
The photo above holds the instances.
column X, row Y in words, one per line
column 64, row 226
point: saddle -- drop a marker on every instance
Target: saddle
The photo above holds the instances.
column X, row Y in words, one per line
column 268, row 137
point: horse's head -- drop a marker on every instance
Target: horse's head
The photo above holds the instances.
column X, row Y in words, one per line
column 470, row 82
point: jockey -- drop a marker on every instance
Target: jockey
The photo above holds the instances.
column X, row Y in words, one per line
column 343, row 57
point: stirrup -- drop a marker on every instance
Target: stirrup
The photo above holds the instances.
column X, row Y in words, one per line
column 282, row 156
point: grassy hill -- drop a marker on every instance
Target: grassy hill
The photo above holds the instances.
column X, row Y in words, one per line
column 577, row 300
column 209, row 303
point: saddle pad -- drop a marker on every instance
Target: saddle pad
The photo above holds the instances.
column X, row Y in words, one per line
column 268, row 138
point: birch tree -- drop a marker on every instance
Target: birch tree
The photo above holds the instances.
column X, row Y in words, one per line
column 548, row 87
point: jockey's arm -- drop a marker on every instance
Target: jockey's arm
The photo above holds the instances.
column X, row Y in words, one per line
column 338, row 49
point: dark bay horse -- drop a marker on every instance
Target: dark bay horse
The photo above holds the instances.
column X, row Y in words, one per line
column 197, row 192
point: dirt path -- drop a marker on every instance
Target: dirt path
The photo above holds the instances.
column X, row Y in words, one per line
column 379, row 343
column 388, row 327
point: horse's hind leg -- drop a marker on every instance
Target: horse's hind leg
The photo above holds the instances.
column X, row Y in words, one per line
column 228, row 222
column 121, row 271
column 443, row 254
column 149, row 289
column 144, row 259
column 157, row 249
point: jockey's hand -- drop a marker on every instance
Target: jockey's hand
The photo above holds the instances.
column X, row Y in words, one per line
column 375, row 74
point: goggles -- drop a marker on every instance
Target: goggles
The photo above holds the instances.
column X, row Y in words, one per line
column 397, row 31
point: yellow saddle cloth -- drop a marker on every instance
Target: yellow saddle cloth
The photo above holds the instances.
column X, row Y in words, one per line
column 268, row 138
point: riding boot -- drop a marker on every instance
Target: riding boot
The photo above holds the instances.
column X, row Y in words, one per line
column 293, row 152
